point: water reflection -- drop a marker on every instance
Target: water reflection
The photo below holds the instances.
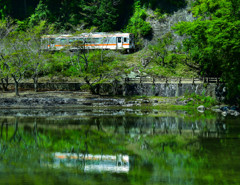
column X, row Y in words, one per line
column 148, row 148
column 127, row 124
column 91, row 163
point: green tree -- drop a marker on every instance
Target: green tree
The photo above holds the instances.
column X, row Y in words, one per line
column 138, row 25
column 41, row 13
column 6, row 27
column 106, row 15
column 67, row 14
column 162, row 53
column 94, row 66
column 36, row 56
column 22, row 54
column 213, row 40
column 102, row 14
column 14, row 62
column 3, row 9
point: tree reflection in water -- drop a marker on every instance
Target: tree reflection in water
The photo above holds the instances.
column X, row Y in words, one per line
column 160, row 149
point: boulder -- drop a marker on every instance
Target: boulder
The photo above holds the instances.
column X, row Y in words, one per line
column 224, row 113
column 201, row 108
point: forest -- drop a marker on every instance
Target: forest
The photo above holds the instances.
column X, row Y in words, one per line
column 210, row 47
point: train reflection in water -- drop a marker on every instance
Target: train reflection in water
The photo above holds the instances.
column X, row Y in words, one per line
column 91, row 163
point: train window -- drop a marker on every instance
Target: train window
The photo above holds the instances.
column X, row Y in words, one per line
column 71, row 40
column 109, row 40
column 79, row 39
column 125, row 39
column 96, row 40
column 119, row 39
column 105, row 40
column 88, row 40
column 57, row 41
column 112, row 40
column 63, row 41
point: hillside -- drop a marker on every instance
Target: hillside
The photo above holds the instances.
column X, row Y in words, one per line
column 179, row 38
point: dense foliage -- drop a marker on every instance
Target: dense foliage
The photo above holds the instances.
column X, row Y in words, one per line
column 213, row 41
column 137, row 24
column 107, row 15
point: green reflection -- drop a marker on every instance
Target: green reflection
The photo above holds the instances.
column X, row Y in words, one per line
column 162, row 149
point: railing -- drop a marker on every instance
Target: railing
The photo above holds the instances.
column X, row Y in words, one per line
column 147, row 79
column 142, row 79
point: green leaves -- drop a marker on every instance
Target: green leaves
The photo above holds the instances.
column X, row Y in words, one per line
column 213, row 39
column 137, row 24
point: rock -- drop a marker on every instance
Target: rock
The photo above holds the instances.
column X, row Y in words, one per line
column 224, row 109
column 236, row 113
column 145, row 101
column 155, row 101
column 87, row 103
column 201, row 108
column 224, row 113
column 129, row 105
column 185, row 102
column 139, row 100
column 231, row 112
column 131, row 102
column 216, row 110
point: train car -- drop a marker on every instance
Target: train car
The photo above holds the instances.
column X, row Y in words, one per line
column 111, row 41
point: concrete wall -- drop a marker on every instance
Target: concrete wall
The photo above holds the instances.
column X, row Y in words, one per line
column 169, row 90
column 128, row 89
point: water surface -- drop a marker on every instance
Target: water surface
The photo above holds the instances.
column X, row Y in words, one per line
column 118, row 146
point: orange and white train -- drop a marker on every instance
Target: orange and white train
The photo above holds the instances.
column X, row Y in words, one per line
column 111, row 41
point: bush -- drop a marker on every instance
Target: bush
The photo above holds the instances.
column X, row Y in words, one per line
column 197, row 100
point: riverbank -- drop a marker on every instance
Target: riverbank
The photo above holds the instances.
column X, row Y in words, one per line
column 33, row 99
column 69, row 99
column 77, row 99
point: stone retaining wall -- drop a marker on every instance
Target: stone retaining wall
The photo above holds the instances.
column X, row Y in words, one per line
column 128, row 89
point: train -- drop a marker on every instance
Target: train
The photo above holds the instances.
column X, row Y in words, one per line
column 101, row 40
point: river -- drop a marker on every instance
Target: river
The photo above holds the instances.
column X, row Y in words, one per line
column 118, row 146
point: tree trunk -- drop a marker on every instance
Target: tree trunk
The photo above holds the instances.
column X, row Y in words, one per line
column 4, row 82
column 2, row 85
column 13, row 138
column 35, row 80
column 35, row 131
column 97, row 89
column 6, row 132
column 2, row 129
column 16, row 87
column 92, row 88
